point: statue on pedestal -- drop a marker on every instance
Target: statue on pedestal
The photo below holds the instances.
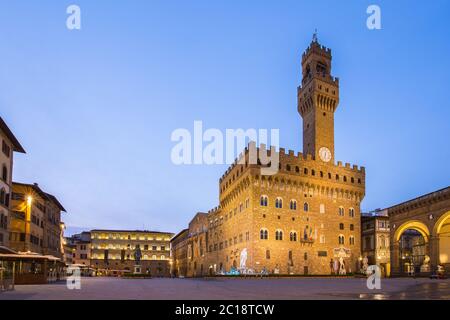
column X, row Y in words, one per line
column 137, row 260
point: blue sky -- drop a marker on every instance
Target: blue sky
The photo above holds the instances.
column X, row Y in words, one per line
column 95, row 108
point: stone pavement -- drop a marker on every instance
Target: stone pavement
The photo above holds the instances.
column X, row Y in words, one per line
column 236, row 289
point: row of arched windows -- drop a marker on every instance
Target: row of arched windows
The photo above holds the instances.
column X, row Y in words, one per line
column 264, row 202
column 351, row 212
column 264, row 235
column 351, row 240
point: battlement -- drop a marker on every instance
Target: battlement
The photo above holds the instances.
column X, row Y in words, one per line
column 316, row 48
column 214, row 210
column 286, row 158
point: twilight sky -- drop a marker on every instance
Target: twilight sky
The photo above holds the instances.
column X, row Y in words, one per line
column 95, row 108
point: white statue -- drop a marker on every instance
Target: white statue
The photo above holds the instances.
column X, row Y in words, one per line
column 342, row 271
column 336, row 266
column 243, row 263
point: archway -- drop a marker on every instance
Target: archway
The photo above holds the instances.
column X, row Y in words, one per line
column 442, row 232
column 412, row 239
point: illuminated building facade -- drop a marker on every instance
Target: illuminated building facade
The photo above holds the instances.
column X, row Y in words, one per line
column 35, row 221
column 113, row 251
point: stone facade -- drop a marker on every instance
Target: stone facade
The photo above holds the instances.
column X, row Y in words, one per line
column 178, row 248
column 113, row 251
column 298, row 220
column 9, row 145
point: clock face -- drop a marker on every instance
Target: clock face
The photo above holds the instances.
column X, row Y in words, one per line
column 325, row 154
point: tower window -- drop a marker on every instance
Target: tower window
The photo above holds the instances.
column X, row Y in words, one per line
column 351, row 212
column 306, row 207
column 321, row 68
column 279, row 235
column 279, row 203
column 341, row 226
column 352, row 240
column 293, row 205
column 288, row 167
column 293, row 236
column 264, row 201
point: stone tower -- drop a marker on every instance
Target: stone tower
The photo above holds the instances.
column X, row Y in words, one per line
column 318, row 98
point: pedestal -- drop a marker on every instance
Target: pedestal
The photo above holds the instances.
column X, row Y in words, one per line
column 137, row 269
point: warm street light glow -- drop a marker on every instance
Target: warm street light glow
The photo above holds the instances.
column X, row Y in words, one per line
column 29, row 200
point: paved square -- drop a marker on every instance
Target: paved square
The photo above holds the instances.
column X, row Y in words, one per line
column 240, row 289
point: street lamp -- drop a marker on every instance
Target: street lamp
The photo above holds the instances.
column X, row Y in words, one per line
column 27, row 221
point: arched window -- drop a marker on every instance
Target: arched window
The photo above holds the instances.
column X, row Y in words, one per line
column 341, row 239
column 279, row 203
column 293, row 205
column 351, row 212
column 3, row 196
column 278, row 235
column 297, row 169
column 5, row 173
column 306, row 207
column 293, row 236
column 352, row 240
column 341, row 211
column 341, row 226
column 288, row 168
column 264, row 201
column 264, row 234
